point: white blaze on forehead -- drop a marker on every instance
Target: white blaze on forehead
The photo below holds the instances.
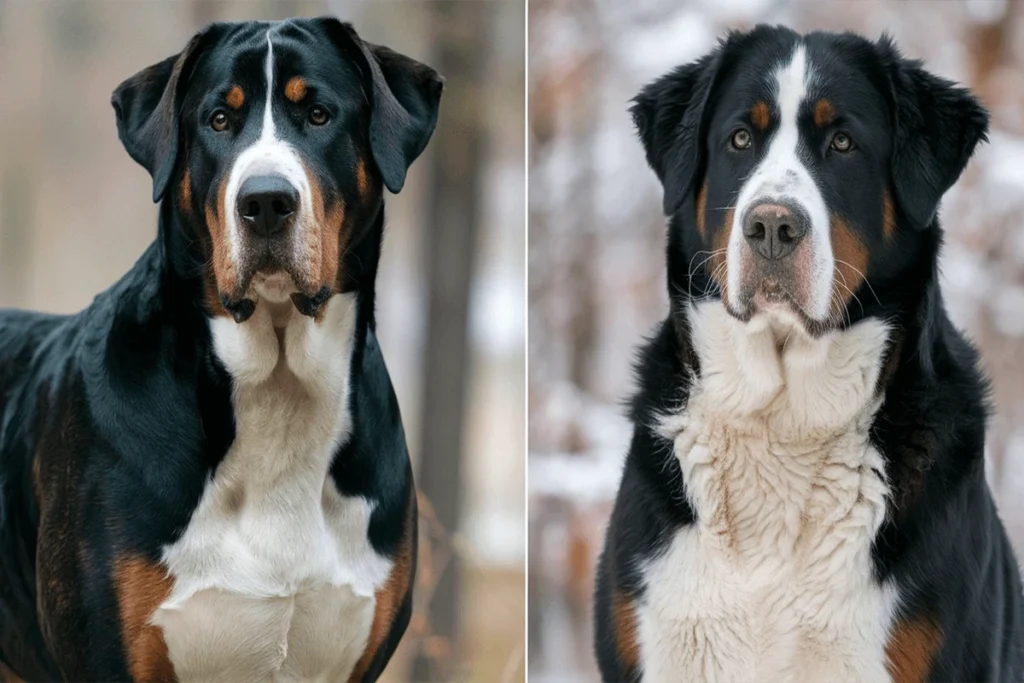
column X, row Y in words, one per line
column 268, row 112
column 268, row 155
column 781, row 176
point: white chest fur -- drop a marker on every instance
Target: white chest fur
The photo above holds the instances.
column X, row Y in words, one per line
column 774, row 582
column 274, row 578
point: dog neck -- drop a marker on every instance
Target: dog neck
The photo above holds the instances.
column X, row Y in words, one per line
column 290, row 375
column 781, row 421
column 769, row 373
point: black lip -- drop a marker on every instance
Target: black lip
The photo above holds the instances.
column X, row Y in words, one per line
column 240, row 309
column 311, row 305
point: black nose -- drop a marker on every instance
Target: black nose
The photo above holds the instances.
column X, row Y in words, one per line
column 773, row 230
column 265, row 202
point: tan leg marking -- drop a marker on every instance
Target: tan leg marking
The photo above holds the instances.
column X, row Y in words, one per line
column 141, row 586
column 911, row 649
column 627, row 643
column 389, row 597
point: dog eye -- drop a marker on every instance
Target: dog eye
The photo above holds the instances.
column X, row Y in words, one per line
column 219, row 121
column 741, row 139
column 318, row 116
column 841, row 142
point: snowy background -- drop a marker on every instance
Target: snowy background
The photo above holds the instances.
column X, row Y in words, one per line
column 596, row 270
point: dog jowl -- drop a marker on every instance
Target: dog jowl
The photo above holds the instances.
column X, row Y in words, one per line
column 804, row 496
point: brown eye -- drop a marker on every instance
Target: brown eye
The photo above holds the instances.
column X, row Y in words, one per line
column 219, row 121
column 318, row 116
column 841, row 142
column 741, row 139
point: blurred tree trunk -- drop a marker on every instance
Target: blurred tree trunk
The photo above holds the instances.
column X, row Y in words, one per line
column 991, row 49
column 584, row 110
column 19, row 141
column 462, row 43
column 991, row 54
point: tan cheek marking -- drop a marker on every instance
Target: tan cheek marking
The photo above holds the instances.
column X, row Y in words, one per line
column 911, row 650
column 759, row 115
column 295, row 90
column 223, row 266
column 390, row 596
column 141, row 587
column 185, row 193
column 702, row 203
column 316, row 235
column 236, row 97
column 627, row 643
column 362, row 184
column 824, row 113
column 213, row 303
column 719, row 246
column 325, row 241
column 888, row 216
column 851, row 257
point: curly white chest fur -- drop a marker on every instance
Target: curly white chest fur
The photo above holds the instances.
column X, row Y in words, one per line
column 274, row 578
column 774, row 581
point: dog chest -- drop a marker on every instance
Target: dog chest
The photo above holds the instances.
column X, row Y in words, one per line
column 316, row 634
column 274, row 579
column 774, row 580
column 286, row 597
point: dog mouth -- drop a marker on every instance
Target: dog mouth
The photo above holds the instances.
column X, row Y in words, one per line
column 768, row 301
column 276, row 285
column 771, row 296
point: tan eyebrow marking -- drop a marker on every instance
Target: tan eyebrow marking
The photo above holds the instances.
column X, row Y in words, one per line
column 236, row 97
column 824, row 113
column 759, row 115
column 295, row 90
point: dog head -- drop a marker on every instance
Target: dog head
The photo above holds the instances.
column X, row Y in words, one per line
column 802, row 174
column 272, row 142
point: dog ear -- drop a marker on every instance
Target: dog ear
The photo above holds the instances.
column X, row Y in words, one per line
column 936, row 126
column 146, row 106
column 669, row 116
column 404, row 98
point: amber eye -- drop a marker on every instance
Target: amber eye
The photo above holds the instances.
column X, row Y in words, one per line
column 219, row 121
column 318, row 116
column 841, row 142
column 741, row 139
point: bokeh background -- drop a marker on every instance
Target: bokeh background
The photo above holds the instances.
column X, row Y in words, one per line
column 75, row 213
column 596, row 262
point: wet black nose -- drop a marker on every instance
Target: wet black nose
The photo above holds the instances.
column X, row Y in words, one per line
column 265, row 203
column 773, row 230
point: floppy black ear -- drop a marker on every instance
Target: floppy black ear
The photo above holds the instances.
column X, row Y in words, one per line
column 936, row 128
column 669, row 116
column 405, row 96
column 146, row 106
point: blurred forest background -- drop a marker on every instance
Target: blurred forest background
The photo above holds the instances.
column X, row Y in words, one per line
column 75, row 213
column 596, row 261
